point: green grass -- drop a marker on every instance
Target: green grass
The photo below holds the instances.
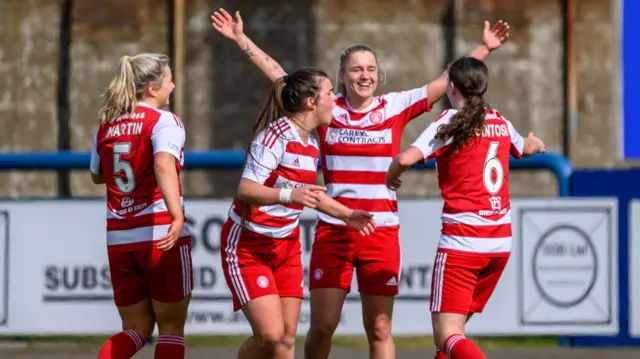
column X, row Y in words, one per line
column 338, row 341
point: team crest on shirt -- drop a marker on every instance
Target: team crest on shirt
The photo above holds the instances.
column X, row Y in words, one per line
column 263, row 282
column 375, row 117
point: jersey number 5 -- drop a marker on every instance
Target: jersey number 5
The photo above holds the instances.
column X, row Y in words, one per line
column 492, row 164
column 127, row 184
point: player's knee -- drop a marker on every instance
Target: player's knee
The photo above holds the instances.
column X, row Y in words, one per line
column 287, row 341
column 378, row 329
column 323, row 327
column 270, row 340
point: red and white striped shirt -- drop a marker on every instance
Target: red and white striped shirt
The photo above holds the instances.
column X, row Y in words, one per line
column 278, row 159
column 123, row 152
column 358, row 147
column 475, row 184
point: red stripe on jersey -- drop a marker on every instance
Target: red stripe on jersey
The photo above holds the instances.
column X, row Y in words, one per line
column 465, row 230
column 147, row 220
column 370, row 205
column 298, row 148
column 263, row 219
column 354, row 177
column 339, row 149
column 296, row 175
column 178, row 122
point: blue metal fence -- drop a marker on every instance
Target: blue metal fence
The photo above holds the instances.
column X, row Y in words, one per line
column 233, row 159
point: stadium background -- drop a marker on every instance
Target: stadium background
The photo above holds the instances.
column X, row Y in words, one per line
column 560, row 75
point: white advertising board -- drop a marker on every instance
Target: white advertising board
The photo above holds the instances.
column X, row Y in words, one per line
column 561, row 278
column 634, row 268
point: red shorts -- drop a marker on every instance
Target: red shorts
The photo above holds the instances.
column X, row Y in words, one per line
column 255, row 265
column 463, row 283
column 337, row 250
column 164, row 276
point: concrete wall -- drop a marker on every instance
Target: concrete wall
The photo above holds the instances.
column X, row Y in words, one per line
column 224, row 92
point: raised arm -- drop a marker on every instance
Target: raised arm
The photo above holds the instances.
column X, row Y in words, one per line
column 233, row 30
column 492, row 39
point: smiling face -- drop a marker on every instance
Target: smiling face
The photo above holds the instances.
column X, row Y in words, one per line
column 360, row 76
column 325, row 102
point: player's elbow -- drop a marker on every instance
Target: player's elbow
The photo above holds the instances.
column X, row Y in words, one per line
column 244, row 191
column 164, row 162
column 97, row 178
column 405, row 159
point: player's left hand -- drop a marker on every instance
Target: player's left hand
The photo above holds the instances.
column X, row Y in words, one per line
column 361, row 221
column 494, row 37
column 169, row 240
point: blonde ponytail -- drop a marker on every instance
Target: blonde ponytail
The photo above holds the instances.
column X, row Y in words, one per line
column 128, row 87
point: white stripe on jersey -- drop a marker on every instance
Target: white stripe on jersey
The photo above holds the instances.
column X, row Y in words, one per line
column 274, row 232
column 473, row 219
column 475, row 245
column 381, row 218
column 365, row 191
column 358, row 163
column 141, row 234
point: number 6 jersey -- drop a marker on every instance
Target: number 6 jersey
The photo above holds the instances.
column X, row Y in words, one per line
column 123, row 152
column 474, row 183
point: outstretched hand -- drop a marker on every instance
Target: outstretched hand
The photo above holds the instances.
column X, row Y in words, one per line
column 361, row 221
column 494, row 37
column 226, row 25
column 540, row 147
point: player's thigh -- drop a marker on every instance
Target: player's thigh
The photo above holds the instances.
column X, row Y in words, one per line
column 266, row 317
column 378, row 262
column 326, row 309
column 247, row 269
column 127, row 278
column 487, row 281
column 332, row 258
column 290, row 313
column 130, row 293
column 377, row 313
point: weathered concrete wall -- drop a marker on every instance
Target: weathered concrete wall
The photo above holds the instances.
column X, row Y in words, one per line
column 28, row 89
column 224, row 92
column 102, row 32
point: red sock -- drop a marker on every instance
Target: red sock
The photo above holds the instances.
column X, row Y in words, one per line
column 457, row 346
column 169, row 347
column 440, row 355
column 123, row 345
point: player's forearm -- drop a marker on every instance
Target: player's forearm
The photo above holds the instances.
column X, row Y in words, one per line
column 332, row 207
column 254, row 193
column 168, row 183
column 481, row 52
column 270, row 67
column 397, row 167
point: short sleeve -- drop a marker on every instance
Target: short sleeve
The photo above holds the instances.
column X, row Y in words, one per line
column 168, row 135
column 264, row 156
column 517, row 142
column 408, row 104
column 261, row 162
column 427, row 142
column 94, row 165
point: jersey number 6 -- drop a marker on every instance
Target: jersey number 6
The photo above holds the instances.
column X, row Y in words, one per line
column 127, row 184
column 491, row 164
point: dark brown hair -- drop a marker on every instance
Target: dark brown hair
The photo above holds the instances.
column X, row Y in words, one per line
column 286, row 97
column 470, row 76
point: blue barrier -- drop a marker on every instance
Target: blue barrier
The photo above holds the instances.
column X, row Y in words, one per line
column 232, row 159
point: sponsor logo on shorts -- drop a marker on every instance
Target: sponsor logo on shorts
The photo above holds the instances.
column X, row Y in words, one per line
column 392, row 282
column 263, row 281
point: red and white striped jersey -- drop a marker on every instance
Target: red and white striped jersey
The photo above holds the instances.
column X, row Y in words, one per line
column 278, row 159
column 123, row 152
column 474, row 183
column 358, row 147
